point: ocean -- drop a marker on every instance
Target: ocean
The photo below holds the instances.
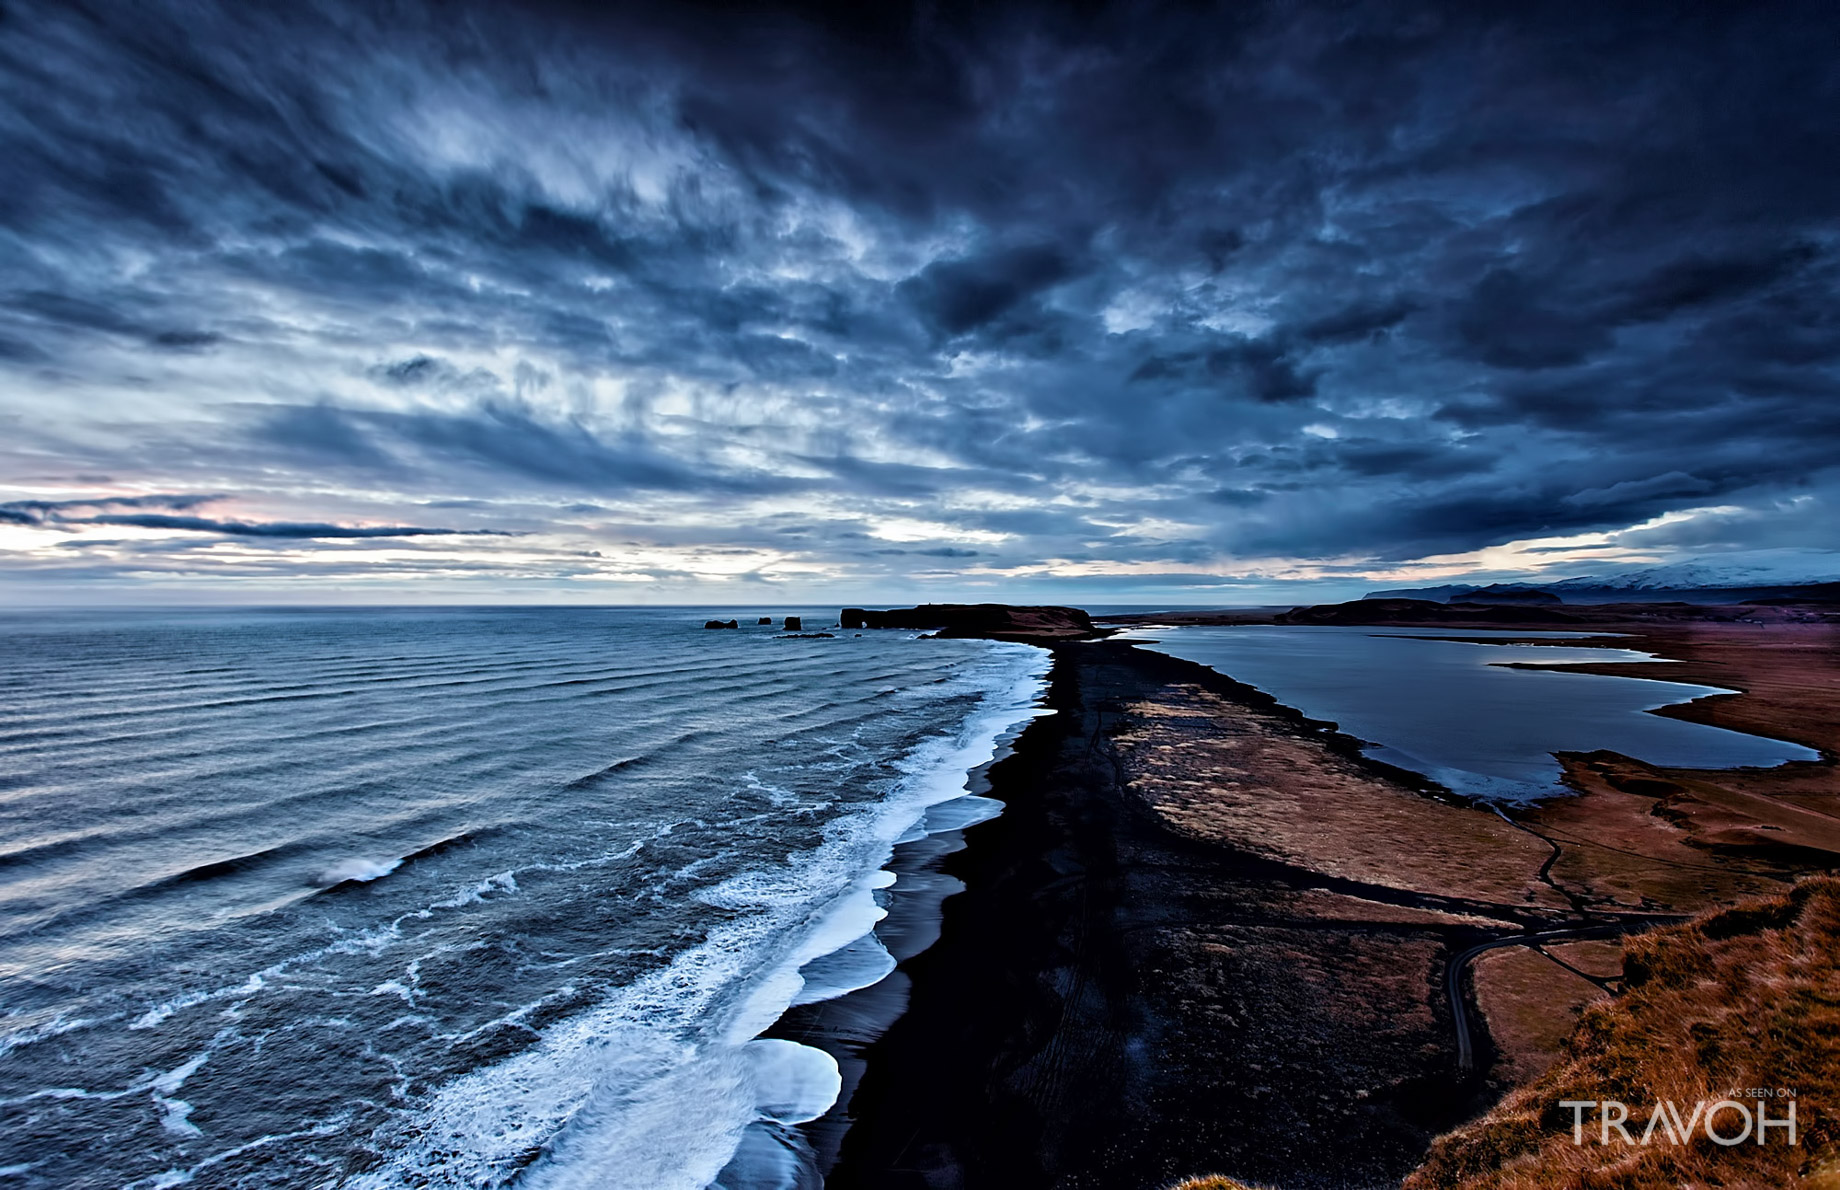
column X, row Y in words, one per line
column 453, row 897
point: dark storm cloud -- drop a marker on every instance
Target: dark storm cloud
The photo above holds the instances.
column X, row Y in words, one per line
column 967, row 294
column 1511, row 321
column 65, row 312
column 945, row 551
column 1296, row 280
column 33, row 512
column 1695, row 280
column 1412, row 460
column 53, row 514
column 1358, row 321
column 193, row 524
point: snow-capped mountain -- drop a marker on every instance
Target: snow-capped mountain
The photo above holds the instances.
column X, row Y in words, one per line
column 1800, row 568
column 1763, row 574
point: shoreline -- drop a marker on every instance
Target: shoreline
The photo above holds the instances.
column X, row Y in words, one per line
column 844, row 1026
column 908, row 887
column 1084, row 1020
column 1150, row 976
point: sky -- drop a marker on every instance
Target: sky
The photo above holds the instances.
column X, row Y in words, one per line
column 698, row 303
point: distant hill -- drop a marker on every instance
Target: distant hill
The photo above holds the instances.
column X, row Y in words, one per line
column 1798, row 579
column 1513, row 594
column 1421, row 611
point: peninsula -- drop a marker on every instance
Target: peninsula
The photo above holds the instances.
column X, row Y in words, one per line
column 1209, row 935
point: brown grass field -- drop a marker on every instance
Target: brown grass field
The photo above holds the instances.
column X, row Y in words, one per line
column 1744, row 997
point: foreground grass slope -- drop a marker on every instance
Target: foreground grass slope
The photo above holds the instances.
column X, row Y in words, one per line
column 1745, row 997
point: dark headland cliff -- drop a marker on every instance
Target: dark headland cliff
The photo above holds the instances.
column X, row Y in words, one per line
column 992, row 621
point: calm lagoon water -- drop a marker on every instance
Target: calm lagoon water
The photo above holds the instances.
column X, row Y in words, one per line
column 1452, row 710
column 444, row 898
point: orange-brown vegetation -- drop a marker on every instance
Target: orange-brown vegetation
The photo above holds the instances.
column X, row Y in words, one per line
column 1530, row 1005
column 1775, row 820
column 1265, row 785
column 1742, row 997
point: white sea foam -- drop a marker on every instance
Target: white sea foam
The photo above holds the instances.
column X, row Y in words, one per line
column 158, row 1014
column 371, row 941
column 656, row 1087
column 33, row 1032
column 174, row 1115
column 174, row 1112
column 184, row 1177
column 769, row 1157
column 357, row 868
column 864, row 963
column 175, row 1078
column 792, row 1083
column 960, row 813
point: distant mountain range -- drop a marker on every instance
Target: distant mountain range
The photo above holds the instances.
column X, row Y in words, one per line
column 1699, row 581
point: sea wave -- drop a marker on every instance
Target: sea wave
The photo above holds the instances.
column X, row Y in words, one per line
column 658, row 1086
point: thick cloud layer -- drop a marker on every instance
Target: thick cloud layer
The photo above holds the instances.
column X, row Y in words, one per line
column 1116, row 300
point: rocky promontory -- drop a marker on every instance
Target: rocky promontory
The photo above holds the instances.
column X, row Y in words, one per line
column 993, row 621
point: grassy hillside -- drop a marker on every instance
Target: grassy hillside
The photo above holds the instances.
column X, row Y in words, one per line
column 1745, row 997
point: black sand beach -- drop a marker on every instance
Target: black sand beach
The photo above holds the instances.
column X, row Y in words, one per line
column 1111, row 1004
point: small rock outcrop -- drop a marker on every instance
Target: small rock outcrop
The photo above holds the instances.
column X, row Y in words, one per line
column 764, row 620
column 721, row 623
column 794, row 623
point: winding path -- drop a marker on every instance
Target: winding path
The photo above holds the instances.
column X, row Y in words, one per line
column 1453, row 974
